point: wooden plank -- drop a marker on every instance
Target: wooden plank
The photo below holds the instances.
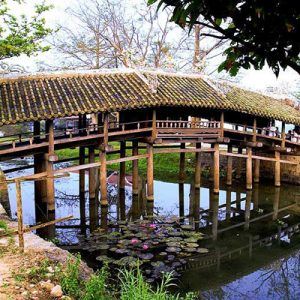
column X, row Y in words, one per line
column 157, row 151
column 20, row 214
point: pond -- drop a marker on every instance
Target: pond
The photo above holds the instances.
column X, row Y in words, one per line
column 236, row 245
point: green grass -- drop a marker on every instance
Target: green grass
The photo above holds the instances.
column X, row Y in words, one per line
column 166, row 166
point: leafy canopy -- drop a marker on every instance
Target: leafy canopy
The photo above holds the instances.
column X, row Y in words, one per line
column 260, row 31
column 20, row 34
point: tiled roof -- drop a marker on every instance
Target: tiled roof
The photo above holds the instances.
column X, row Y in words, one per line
column 47, row 96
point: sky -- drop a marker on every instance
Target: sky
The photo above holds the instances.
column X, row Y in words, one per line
column 262, row 80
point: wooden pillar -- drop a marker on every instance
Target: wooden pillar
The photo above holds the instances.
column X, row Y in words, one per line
column 211, row 170
column 135, row 168
column 122, row 165
column 239, row 164
column 216, row 168
column 215, row 209
column 229, row 167
column 198, row 167
column 82, row 190
column 182, row 164
column 103, row 167
column 256, row 170
column 154, row 130
column 283, row 135
column 51, row 158
column 150, row 193
column 254, row 130
column 228, row 203
column 181, row 201
column 255, row 197
column 277, row 169
column 249, row 169
column 20, row 214
column 93, row 207
column 222, row 124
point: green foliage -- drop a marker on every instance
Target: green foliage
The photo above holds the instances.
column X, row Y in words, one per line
column 22, row 35
column 95, row 287
column 133, row 286
column 37, row 273
column 3, row 225
column 260, row 31
column 69, row 278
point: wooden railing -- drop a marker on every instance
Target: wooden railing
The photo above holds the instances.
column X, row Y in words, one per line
column 187, row 124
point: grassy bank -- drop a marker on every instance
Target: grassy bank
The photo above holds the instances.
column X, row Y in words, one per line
column 166, row 166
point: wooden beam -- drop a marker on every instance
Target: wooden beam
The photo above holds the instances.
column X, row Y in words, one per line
column 93, row 207
column 156, row 151
column 256, row 170
column 277, row 169
column 20, row 214
column 229, row 167
column 249, row 169
column 150, row 192
column 102, row 159
column 122, row 172
column 283, row 135
column 216, row 157
column 154, row 130
column 198, row 167
column 135, row 168
column 222, row 125
column 50, row 155
column 181, row 164
column 254, row 130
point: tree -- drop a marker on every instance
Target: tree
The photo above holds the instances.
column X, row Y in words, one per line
column 260, row 31
column 22, row 35
column 113, row 33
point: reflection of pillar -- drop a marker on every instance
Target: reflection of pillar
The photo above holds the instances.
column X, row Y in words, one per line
column 276, row 203
column 92, row 191
column 215, row 210
column 256, row 170
column 181, row 164
column 228, row 203
column 229, row 166
column 255, row 196
column 198, row 167
column 181, row 200
column 196, row 208
column 277, row 168
column 122, row 165
column 150, row 195
column 135, row 207
column 250, row 245
column 238, row 198
column 239, row 164
column 192, row 203
column 247, row 209
column 135, row 168
column 121, row 205
column 82, row 189
column 216, row 168
column 104, row 216
column 150, row 208
column 249, row 169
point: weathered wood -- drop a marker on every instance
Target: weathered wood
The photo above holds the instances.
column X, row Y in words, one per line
column 154, row 130
column 239, row 163
column 283, row 135
column 216, row 157
column 198, row 168
column 254, row 137
column 183, row 150
column 150, row 192
column 247, row 209
column 135, row 168
column 93, row 207
column 249, row 169
column 122, row 173
column 50, row 180
column 256, row 170
column 102, row 159
column 20, row 214
column 222, row 124
column 229, row 167
column 277, row 169
column 181, row 164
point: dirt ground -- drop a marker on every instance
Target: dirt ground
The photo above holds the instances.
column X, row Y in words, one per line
column 17, row 270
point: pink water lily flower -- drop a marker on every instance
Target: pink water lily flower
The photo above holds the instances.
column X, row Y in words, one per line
column 145, row 247
column 134, row 241
column 153, row 226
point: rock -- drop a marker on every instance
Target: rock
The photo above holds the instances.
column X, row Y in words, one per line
column 47, row 285
column 34, row 293
column 56, row 291
column 24, row 294
column 66, row 298
column 32, row 285
column 50, row 269
column 49, row 275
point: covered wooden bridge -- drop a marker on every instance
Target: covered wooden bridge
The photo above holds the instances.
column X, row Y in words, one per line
column 166, row 112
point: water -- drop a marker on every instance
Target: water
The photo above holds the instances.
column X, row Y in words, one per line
column 253, row 243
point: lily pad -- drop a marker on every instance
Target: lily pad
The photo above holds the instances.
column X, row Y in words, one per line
column 202, row 250
column 146, row 256
column 173, row 249
column 127, row 261
column 187, row 227
column 192, row 245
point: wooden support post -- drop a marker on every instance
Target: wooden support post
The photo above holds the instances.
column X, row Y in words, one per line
column 247, row 209
column 154, row 130
column 122, row 172
column 103, row 167
column 150, row 193
column 249, row 169
column 228, row 203
column 182, row 164
column 211, row 170
column 135, row 168
column 215, row 210
column 20, row 214
column 82, row 190
column 50, row 158
column 254, row 130
column 216, row 168
column 222, row 124
column 276, row 203
column 277, row 169
column 256, row 170
column 283, row 135
column 229, row 167
column 239, row 164
column 93, row 207
column 181, row 200
column 198, row 167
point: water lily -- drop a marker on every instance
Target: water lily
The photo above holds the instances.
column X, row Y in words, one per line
column 134, row 241
column 145, row 247
column 152, row 226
